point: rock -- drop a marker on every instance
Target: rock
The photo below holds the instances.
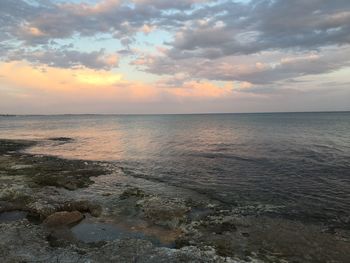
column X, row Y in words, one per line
column 67, row 181
column 63, row 218
column 164, row 212
column 68, row 174
column 132, row 192
column 24, row 242
column 61, row 139
column 216, row 230
column 141, row 251
column 10, row 146
column 220, row 228
column 61, row 237
column 21, row 166
column 42, row 208
column 82, row 206
column 16, row 195
column 45, row 208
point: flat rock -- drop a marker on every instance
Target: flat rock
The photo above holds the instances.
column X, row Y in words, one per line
column 132, row 192
column 21, row 166
column 63, row 218
column 164, row 212
column 61, row 139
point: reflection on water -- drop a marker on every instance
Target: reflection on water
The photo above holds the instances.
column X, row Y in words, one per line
column 298, row 162
column 89, row 231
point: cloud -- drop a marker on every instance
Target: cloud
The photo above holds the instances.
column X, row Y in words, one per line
column 147, row 29
column 234, row 29
column 225, row 27
column 48, row 90
column 200, row 90
column 64, row 58
column 194, row 43
column 61, row 21
column 266, row 68
column 161, row 4
column 101, row 84
column 231, row 41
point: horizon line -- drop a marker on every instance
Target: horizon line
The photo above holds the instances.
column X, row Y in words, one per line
column 150, row 114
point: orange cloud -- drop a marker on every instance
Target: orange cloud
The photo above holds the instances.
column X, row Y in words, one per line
column 99, row 85
column 245, row 84
column 24, row 75
column 84, row 9
column 195, row 89
column 34, row 31
column 146, row 29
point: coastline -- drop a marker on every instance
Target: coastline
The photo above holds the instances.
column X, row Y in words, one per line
column 149, row 221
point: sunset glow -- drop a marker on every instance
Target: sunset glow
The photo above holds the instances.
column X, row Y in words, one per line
column 113, row 51
column 174, row 131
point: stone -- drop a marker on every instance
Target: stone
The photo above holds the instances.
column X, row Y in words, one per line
column 164, row 212
column 61, row 139
column 21, row 166
column 83, row 206
column 63, row 218
column 132, row 192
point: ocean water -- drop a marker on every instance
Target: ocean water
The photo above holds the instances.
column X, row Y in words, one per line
column 296, row 163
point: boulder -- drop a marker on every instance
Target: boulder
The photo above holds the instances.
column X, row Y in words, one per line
column 63, row 218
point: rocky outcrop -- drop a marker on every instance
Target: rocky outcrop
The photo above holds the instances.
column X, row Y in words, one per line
column 23, row 242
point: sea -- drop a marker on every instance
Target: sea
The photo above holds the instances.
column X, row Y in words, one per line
column 298, row 164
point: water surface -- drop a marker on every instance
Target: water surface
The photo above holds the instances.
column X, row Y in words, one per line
column 297, row 163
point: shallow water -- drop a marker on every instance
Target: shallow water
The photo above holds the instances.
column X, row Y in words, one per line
column 96, row 232
column 297, row 163
column 88, row 231
column 11, row 216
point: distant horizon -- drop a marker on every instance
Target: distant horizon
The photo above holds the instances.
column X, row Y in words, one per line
column 151, row 114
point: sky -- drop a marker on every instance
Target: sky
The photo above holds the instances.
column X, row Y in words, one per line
column 183, row 56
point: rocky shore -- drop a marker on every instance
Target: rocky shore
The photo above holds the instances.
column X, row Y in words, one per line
column 57, row 210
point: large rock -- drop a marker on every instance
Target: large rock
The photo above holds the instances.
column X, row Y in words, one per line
column 64, row 218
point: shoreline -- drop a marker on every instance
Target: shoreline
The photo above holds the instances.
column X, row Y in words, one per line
column 145, row 220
